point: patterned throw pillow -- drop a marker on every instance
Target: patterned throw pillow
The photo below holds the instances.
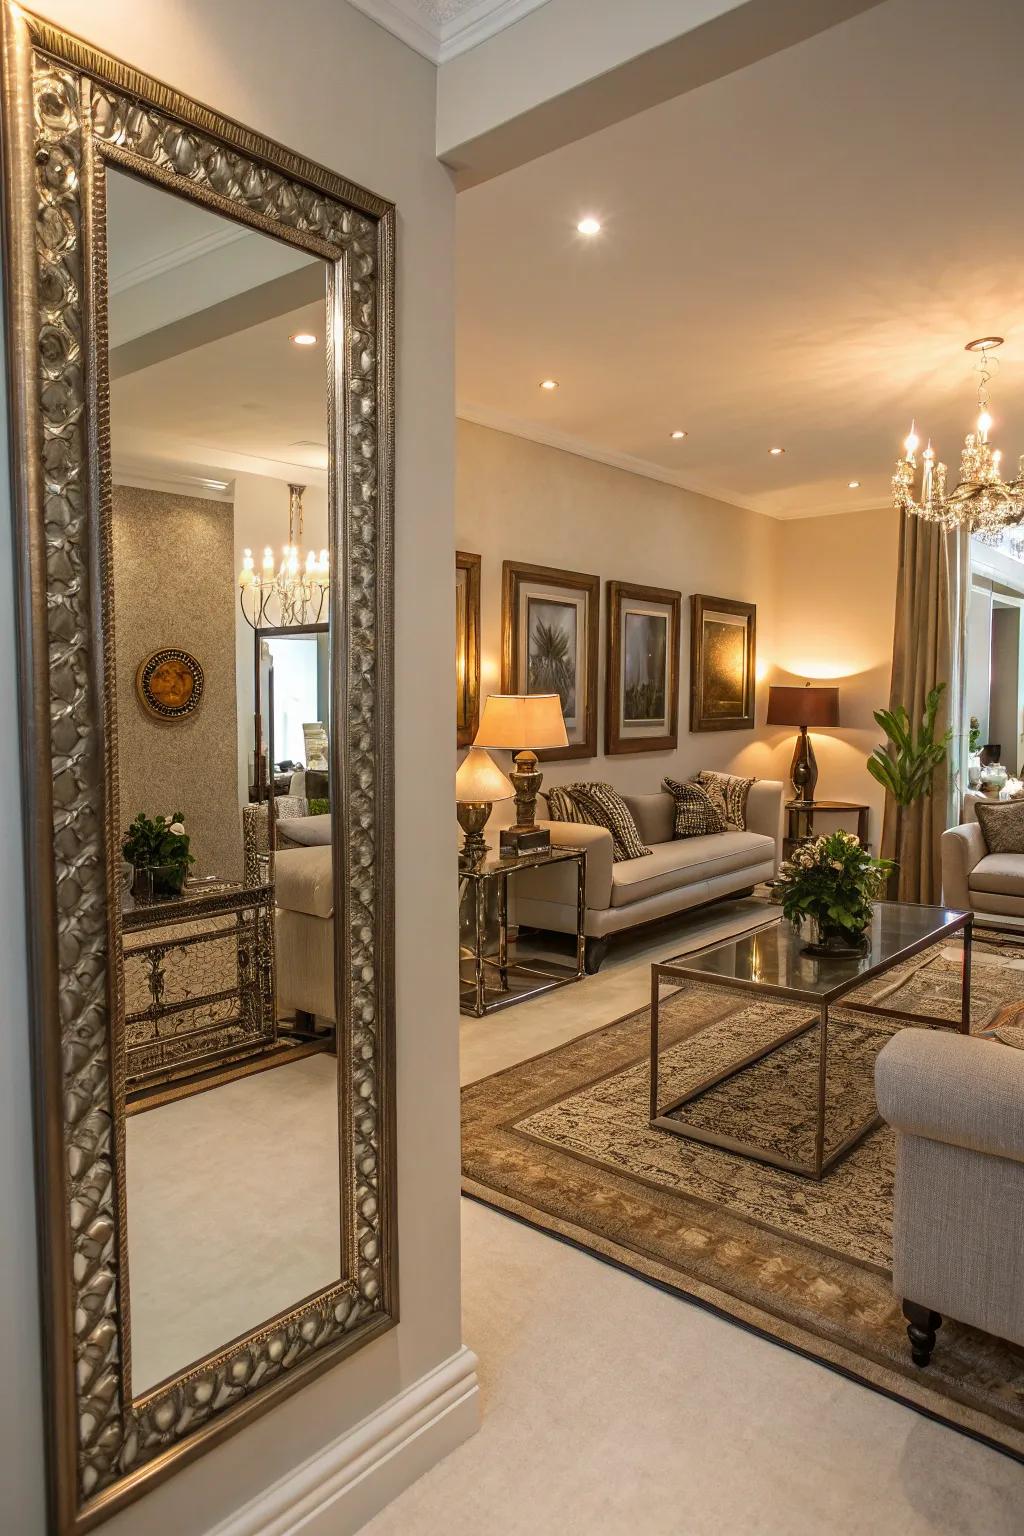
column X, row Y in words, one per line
column 1002, row 825
column 696, row 812
column 729, row 795
column 598, row 805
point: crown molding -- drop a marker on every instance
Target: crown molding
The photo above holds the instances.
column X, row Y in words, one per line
column 178, row 256
column 440, row 39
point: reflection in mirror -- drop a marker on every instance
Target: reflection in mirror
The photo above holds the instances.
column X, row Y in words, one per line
column 221, row 719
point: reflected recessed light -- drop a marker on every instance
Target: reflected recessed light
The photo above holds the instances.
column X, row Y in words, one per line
column 853, row 485
column 303, row 339
column 677, row 433
column 549, row 383
column 589, row 226
column 776, row 450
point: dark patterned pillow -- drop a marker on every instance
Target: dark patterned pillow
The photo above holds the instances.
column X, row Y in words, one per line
column 729, row 795
column 696, row 812
column 562, row 806
column 1002, row 825
column 599, row 805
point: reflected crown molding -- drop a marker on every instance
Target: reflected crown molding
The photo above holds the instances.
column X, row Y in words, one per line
column 441, row 29
column 178, row 256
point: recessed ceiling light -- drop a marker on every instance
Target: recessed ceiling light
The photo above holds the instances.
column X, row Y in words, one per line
column 303, row 339
column 589, row 226
column 677, row 433
column 776, row 450
column 854, row 485
column 549, row 383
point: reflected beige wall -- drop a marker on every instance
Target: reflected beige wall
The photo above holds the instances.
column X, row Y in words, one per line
column 174, row 586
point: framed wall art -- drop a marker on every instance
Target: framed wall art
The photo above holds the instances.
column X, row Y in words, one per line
column 170, row 684
column 722, row 658
column 467, row 647
column 549, row 621
column 642, row 669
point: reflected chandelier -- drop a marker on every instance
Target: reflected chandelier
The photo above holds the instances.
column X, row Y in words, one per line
column 982, row 502
column 289, row 592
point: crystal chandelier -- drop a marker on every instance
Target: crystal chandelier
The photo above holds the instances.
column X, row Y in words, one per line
column 982, row 502
column 289, row 592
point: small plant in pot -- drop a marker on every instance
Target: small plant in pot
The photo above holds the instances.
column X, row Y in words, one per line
column 158, row 845
column 832, row 883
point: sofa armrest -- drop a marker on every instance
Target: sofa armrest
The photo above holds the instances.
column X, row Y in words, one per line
column 764, row 810
column 953, row 1089
column 598, row 844
column 961, row 847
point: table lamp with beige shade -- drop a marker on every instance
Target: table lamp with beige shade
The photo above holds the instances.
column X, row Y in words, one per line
column 523, row 723
column 478, row 783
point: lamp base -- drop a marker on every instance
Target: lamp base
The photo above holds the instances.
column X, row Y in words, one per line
column 804, row 769
column 519, row 840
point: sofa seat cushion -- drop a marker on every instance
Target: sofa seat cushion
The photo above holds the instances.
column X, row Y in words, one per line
column 684, row 861
column 302, row 881
column 306, row 831
column 1000, row 873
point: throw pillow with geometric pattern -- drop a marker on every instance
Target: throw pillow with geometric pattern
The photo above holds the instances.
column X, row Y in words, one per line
column 599, row 805
column 696, row 812
column 1002, row 825
column 561, row 805
column 729, row 794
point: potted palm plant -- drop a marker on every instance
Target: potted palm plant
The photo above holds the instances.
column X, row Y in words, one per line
column 906, row 765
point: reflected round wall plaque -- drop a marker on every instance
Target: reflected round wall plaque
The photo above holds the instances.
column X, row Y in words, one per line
column 170, row 684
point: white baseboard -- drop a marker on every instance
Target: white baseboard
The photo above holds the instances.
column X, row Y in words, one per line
column 346, row 1483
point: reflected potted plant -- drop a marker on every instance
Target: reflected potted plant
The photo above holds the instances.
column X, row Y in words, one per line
column 832, row 882
column 157, row 847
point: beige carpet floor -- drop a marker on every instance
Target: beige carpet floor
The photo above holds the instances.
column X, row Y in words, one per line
column 563, row 1141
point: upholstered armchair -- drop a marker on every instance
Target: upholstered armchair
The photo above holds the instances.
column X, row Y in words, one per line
column 991, row 885
column 956, row 1104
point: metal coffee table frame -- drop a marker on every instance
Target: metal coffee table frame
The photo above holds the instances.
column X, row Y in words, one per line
column 821, row 1002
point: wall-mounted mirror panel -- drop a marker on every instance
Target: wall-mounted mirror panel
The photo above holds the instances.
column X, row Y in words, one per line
column 200, row 325
column 217, row 401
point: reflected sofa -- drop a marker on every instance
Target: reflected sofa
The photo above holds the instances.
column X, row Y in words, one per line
column 991, row 885
column 304, row 928
column 677, row 875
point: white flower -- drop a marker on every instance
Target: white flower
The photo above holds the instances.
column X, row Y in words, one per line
column 178, row 828
column 836, row 863
column 168, row 820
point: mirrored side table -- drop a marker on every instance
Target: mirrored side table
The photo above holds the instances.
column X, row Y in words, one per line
column 489, row 978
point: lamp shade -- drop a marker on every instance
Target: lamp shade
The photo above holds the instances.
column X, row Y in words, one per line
column 480, row 781
column 808, row 706
column 518, row 721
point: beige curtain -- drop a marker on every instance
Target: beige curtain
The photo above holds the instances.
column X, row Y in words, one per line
column 927, row 649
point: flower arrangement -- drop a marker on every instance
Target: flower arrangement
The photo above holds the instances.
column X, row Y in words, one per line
column 159, row 844
column 833, row 881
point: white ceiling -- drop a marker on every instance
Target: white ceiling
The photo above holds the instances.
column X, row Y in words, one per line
column 792, row 256
column 440, row 29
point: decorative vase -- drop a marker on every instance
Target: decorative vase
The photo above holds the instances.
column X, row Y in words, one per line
column 830, row 939
column 168, row 879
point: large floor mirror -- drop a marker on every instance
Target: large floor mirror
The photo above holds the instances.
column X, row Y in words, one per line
column 204, row 500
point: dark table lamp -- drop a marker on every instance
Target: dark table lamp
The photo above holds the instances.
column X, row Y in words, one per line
column 808, row 707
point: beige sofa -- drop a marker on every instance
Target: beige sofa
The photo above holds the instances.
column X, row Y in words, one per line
column 304, row 930
column 677, row 875
column 957, row 1107
column 991, row 885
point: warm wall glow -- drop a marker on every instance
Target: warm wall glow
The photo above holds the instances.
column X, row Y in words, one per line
column 490, row 672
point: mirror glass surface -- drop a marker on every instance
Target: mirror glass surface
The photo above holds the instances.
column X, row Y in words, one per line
column 219, row 704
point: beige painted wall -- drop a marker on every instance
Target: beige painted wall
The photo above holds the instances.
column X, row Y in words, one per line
column 519, row 500
column 174, row 585
column 325, row 80
column 824, row 589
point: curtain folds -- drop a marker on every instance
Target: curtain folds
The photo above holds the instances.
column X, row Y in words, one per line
column 931, row 595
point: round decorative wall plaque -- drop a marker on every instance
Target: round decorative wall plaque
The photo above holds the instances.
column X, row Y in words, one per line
column 170, row 684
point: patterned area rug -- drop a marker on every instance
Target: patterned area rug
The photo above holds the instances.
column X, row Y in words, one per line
column 563, row 1142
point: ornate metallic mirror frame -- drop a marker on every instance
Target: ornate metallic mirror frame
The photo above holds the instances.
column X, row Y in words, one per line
column 68, row 112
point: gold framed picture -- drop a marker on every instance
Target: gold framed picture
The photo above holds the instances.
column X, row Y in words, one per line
column 641, row 712
column 722, row 660
column 170, row 684
column 549, row 622
column 467, row 647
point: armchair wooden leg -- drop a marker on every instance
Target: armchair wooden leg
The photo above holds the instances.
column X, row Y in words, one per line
column 922, row 1326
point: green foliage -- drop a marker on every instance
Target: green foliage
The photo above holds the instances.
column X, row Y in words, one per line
column 906, row 766
column 974, row 740
column 150, row 843
column 833, row 880
column 318, row 805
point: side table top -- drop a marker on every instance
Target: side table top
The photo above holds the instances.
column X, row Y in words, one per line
column 826, row 805
column 495, row 863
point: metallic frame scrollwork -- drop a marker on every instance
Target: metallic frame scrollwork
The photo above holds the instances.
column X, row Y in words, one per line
column 70, row 111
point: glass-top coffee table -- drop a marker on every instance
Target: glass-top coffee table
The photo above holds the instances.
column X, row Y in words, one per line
column 770, row 963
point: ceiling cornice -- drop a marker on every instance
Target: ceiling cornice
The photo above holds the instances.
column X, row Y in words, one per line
column 441, row 29
column 177, row 256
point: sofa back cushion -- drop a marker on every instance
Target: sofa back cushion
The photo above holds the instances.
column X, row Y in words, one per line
column 600, row 806
column 654, row 816
column 1002, row 825
column 697, row 815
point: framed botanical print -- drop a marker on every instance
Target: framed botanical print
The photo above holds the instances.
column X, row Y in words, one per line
column 722, row 657
column 467, row 647
column 549, row 621
column 642, row 669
